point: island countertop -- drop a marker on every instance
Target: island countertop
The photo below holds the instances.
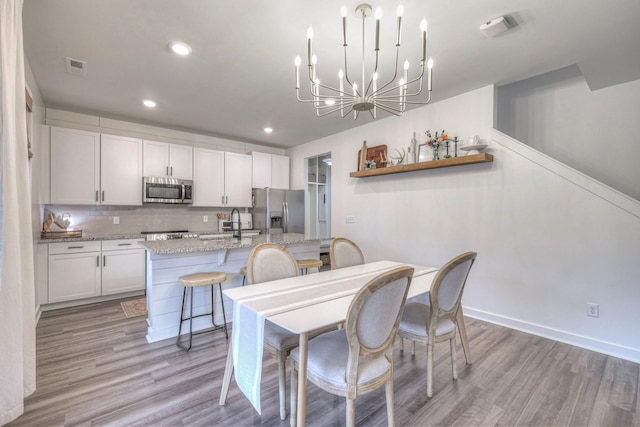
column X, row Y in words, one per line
column 178, row 246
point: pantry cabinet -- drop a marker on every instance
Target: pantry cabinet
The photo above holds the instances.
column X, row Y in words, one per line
column 79, row 270
column 88, row 168
column 167, row 160
column 221, row 179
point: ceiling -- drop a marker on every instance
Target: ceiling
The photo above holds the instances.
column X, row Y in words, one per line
column 240, row 77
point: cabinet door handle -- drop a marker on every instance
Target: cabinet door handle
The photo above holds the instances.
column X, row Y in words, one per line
column 96, row 195
column 104, row 260
column 171, row 169
column 103, row 195
column 97, row 260
column 75, row 247
column 167, row 170
column 124, row 244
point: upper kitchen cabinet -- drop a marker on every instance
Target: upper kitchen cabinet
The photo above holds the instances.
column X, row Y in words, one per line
column 75, row 167
column 167, row 160
column 120, row 170
column 270, row 170
column 221, row 179
column 92, row 169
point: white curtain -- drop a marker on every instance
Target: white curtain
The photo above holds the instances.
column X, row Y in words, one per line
column 17, row 302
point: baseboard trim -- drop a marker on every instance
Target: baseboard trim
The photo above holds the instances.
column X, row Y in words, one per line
column 604, row 347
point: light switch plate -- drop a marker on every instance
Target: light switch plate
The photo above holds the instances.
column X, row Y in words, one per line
column 349, row 219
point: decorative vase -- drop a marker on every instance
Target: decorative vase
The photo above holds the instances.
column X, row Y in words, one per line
column 436, row 153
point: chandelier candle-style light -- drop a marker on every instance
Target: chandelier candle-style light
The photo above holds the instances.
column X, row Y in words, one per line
column 392, row 96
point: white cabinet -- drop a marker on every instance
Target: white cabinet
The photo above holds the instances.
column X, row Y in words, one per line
column 208, row 177
column 167, row 160
column 279, row 172
column 123, row 266
column 75, row 167
column 261, row 170
column 221, row 178
column 270, row 170
column 74, row 271
column 86, row 269
column 120, row 171
column 237, row 179
column 92, row 169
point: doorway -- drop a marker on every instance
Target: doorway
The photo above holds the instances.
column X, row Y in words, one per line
column 319, row 196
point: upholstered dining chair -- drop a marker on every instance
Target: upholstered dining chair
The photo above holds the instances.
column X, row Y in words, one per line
column 358, row 359
column 437, row 321
column 267, row 262
column 344, row 253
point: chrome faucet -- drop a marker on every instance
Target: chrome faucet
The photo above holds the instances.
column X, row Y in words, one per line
column 239, row 236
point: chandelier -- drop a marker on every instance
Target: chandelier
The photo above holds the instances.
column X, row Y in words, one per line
column 392, row 96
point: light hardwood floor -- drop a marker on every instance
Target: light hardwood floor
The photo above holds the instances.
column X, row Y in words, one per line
column 95, row 368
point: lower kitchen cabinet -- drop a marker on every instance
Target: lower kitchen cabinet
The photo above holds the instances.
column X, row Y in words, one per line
column 122, row 267
column 79, row 270
column 74, row 271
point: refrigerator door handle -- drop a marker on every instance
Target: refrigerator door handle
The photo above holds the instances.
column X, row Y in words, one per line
column 285, row 217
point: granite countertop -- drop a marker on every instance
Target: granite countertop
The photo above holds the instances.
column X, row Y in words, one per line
column 178, row 246
column 90, row 237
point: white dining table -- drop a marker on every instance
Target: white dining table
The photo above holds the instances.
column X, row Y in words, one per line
column 293, row 304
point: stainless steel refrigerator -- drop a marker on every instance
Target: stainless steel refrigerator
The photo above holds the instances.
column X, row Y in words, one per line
column 278, row 211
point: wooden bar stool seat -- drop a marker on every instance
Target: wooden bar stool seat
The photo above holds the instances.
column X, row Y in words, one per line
column 195, row 280
column 305, row 264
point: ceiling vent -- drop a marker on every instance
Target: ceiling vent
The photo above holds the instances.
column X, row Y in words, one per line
column 77, row 67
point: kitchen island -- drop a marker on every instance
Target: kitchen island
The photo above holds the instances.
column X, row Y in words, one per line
column 166, row 260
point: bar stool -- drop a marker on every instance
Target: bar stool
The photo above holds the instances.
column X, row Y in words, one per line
column 305, row 264
column 243, row 271
column 191, row 281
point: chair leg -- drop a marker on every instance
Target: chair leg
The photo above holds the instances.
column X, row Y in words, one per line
column 430, row 368
column 454, row 370
column 388, row 388
column 294, row 396
column 226, row 379
column 351, row 412
column 224, row 315
column 413, row 348
column 282, row 386
column 401, row 344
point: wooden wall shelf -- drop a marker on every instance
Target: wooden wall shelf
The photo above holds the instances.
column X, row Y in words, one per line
column 433, row 164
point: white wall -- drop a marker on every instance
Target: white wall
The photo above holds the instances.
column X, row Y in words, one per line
column 595, row 132
column 39, row 165
column 546, row 244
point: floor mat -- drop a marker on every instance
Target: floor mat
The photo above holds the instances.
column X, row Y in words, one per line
column 135, row 307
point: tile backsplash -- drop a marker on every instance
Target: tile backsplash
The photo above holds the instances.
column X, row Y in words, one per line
column 134, row 219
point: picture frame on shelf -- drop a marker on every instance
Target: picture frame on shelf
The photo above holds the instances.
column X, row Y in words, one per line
column 424, row 153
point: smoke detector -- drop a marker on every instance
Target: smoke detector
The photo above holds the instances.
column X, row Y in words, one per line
column 77, row 67
column 495, row 27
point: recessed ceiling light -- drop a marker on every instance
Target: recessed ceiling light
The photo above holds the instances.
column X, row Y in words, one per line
column 149, row 103
column 268, row 130
column 180, row 48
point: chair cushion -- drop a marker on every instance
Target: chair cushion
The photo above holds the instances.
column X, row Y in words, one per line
column 415, row 318
column 279, row 337
column 328, row 357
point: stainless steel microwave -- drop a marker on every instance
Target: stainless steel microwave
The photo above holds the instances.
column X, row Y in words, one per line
column 167, row 190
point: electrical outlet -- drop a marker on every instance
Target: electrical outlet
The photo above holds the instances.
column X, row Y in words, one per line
column 205, row 218
column 116, row 220
column 592, row 310
column 349, row 219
